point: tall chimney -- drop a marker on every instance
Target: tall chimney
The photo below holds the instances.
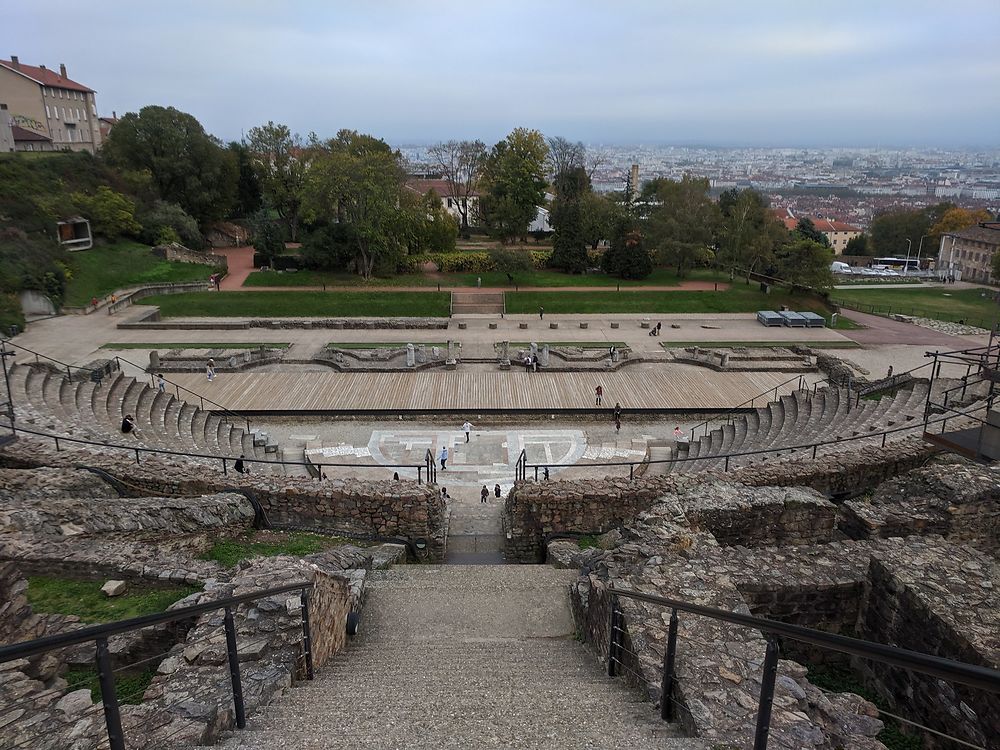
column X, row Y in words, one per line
column 62, row 69
column 15, row 62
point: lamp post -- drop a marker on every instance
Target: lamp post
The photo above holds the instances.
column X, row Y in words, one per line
column 906, row 267
column 920, row 247
column 4, row 353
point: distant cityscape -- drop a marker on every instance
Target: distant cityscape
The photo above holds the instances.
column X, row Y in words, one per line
column 848, row 184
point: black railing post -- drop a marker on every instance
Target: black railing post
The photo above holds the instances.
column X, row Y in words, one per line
column 766, row 695
column 613, row 637
column 137, row 455
column 727, row 462
column 57, row 444
column 234, row 670
column 667, row 712
column 225, row 471
column 814, row 449
column 106, row 678
column 306, row 636
column 631, row 472
column 420, row 474
column 202, row 400
column 536, row 472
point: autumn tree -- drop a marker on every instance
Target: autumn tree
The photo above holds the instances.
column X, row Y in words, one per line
column 460, row 162
column 514, row 175
column 569, row 243
column 681, row 221
column 281, row 162
column 955, row 218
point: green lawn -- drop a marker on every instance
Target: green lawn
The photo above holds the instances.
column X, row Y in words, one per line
column 941, row 303
column 200, row 345
column 544, row 278
column 101, row 270
column 738, row 299
column 379, row 344
column 228, row 552
column 302, row 304
column 84, row 599
column 578, row 344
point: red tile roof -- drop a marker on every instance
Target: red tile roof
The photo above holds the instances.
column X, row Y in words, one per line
column 832, row 225
column 45, row 77
column 791, row 221
column 20, row 134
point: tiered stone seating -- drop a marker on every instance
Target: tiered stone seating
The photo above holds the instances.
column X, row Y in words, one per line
column 48, row 401
column 804, row 417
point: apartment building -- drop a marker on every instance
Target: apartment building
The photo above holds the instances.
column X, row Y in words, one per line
column 838, row 233
column 48, row 111
column 967, row 255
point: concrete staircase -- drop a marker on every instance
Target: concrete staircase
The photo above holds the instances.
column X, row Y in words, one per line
column 463, row 657
column 47, row 401
column 476, row 302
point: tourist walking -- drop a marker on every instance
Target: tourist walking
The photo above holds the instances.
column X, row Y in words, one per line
column 444, row 457
column 444, row 494
column 484, row 494
column 210, row 370
column 496, row 490
column 598, row 395
column 679, row 435
column 541, row 313
column 618, row 412
column 467, row 429
column 618, row 425
column 161, row 384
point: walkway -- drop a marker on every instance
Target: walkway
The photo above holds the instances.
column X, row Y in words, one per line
column 240, row 262
column 658, row 387
column 459, row 657
column 882, row 330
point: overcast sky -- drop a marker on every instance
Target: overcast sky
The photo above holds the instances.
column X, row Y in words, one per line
column 803, row 72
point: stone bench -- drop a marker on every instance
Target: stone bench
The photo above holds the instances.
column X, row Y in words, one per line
column 522, row 326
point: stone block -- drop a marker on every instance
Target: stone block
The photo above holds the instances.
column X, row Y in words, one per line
column 644, row 323
column 614, row 325
column 522, row 326
column 462, row 326
column 493, row 326
column 553, row 325
column 114, row 588
column 585, row 325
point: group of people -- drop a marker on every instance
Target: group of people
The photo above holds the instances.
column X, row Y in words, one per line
column 655, row 330
column 530, row 362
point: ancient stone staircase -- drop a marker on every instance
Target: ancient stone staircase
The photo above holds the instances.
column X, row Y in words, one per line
column 463, row 657
column 476, row 302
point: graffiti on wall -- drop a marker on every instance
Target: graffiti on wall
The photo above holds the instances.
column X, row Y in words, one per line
column 28, row 123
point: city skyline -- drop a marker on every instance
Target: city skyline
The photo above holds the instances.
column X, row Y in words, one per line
column 901, row 74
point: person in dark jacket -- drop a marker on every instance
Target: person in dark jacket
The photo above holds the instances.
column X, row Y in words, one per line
column 496, row 490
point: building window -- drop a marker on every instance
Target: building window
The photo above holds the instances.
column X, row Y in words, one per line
column 47, row 113
column 55, row 111
column 60, row 93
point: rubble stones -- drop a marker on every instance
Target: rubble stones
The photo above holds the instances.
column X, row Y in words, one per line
column 114, row 588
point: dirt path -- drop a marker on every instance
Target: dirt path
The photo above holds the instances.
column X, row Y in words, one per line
column 240, row 260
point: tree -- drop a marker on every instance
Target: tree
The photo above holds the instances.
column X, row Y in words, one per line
column 748, row 234
column 112, row 214
column 514, row 176
column 599, row 214
column 805, row 263
column 569, row 244
column 858, row 245
column 681, row 221
column 955, row 218
column 188, row 166
column 889, row 231
column 460, row 162
column 510, row 261
column 436, row 230
column 280, row 161
column 249, row 197
column 627, row 257
column 266, row 239
column 807, row 229
column 169, row 222
column 564, row 155
column 358, row 180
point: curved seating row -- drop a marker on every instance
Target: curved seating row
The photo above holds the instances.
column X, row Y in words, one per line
column 47, row 400
column 802, row 418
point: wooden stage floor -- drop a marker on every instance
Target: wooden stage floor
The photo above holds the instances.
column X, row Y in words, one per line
column 662, row 387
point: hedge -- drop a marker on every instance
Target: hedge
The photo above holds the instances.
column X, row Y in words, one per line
column 466, row 261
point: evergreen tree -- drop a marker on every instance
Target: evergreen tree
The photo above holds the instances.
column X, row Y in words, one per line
column 569, row 244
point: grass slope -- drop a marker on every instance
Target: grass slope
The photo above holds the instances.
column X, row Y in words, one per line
column 228, row 552
column 101, row 270
column 940, row 303
column 302, row 304
column 738, row 299
column 84, row 599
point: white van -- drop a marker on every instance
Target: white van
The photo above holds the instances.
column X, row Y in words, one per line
column 840, row 267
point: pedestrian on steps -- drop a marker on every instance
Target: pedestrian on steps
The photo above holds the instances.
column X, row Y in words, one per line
column 496, row 490
column 444, row 457
column 598, row 395
column 618, row 412
column 241, row 468
column 128, row 426
column 484, row 494
column 210, row 370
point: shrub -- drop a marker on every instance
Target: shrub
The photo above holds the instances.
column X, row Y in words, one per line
column 111, row 214
column 510, row 261
column 167, row 222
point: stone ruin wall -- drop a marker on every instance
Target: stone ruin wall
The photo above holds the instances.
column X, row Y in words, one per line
column 351, row 506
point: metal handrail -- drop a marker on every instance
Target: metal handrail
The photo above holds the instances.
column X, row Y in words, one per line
column 982, row 678
column 178, row 388
column 137, row 450
column 749, row 401
column 99, row 634
column 789, row 448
